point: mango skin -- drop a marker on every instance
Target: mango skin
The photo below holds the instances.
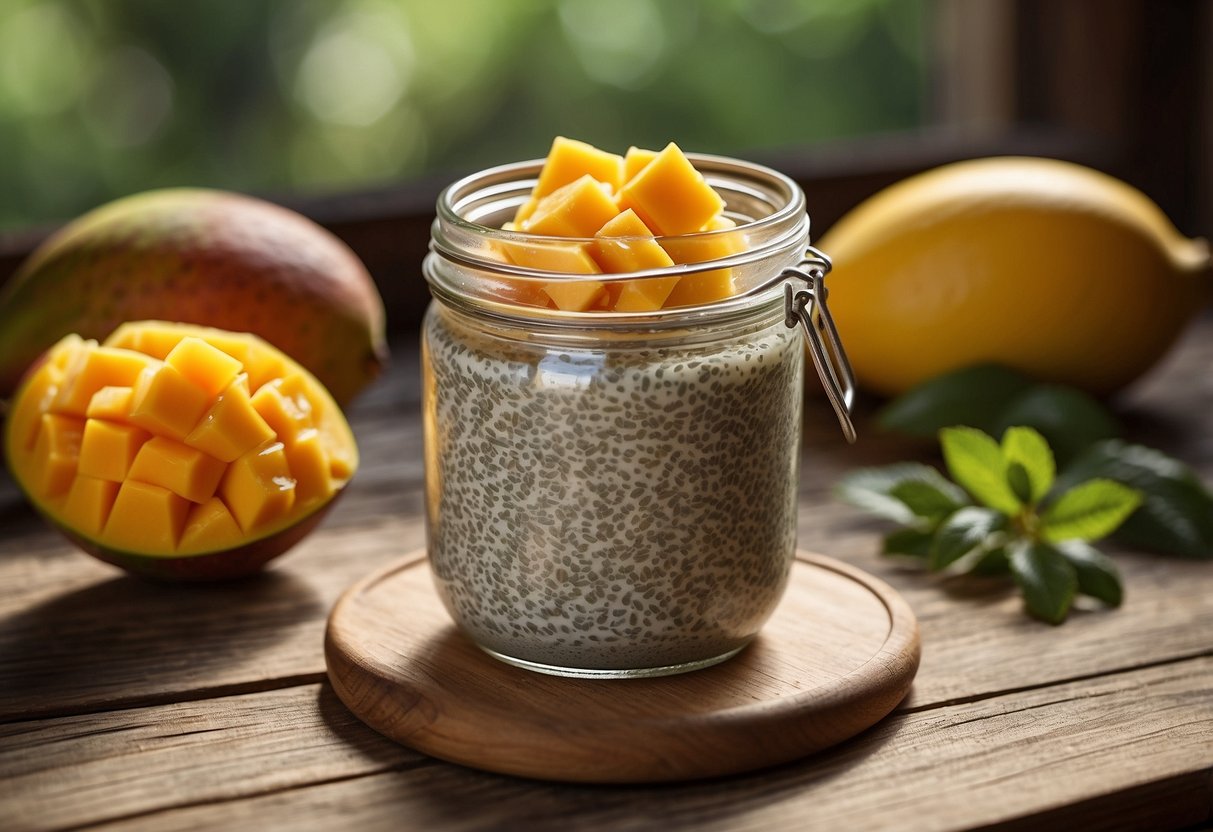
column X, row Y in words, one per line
column 229, row 564
column 204, row 257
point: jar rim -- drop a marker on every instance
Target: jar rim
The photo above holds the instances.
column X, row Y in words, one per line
column 494, row 181
column 462, row 242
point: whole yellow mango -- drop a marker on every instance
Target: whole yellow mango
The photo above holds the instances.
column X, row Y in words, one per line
column 1048, row 267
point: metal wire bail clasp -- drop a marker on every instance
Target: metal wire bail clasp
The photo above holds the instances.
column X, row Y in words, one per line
column 807, row 307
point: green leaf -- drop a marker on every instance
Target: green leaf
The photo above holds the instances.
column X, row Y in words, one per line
column 993, row 562
column 927, row 500
column 913, row 542
column 967, row 530
column 1048, row 581
column 1069, row 419
column 1097, row 574
column 1089, row 511
column 972, row 396
column 975, row 462
column 1020, row 482
column 1024, row 447
column 871, row 489
column 1176, row 514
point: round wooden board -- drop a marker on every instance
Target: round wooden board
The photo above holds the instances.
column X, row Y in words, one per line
column 838, row 654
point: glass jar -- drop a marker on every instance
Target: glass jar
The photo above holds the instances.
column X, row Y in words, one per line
column 614, row 494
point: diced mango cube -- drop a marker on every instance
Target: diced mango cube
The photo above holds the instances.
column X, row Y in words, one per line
column 113, row 403
column 65, row 349
column 670, row 195
column 209, row 368
column 576, row 210
column 231, row 427
column 340, row 456
column 296, row 388
column 709, row 286
column 108, row 449
column 183, row 470
column 282, row 413
column 26, row 422
column 625, row 244
column 635, row 160
column 523, row 213
column 258, row 487
column 166, row 402
column 564, row 258
column 148, row 340
column 210, row 527
column 58, row 448
column 88, row 504
column 569, row 159
column 96, row 368
column 697, row 289
column 310, row 467
column 575, row 295
column 146, row 518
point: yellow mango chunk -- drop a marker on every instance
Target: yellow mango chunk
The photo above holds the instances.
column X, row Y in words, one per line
column 167, row 403
column 58, row 446
column 209, row 368
column 281, row 412
column 113, row 403
column 231, row 427
column 709, row 286
column 108, row 449
column 670, row 195
column 341, row 461
column 263, row 367
column 66, row 349
column 578, row 209
column 575, row 295
column 96, row 368
column 565, row 258
column 635, row 160
column 569, row 160
column 523, row 213
column 210, row 527
column 140, row 338
column 186, row 472
column 310, row 467
column 258, row 487
column 625, row 244
column 41, row 389
column 146, row 518
column 88, row 504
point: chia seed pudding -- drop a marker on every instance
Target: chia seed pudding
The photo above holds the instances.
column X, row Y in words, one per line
column 611, row 508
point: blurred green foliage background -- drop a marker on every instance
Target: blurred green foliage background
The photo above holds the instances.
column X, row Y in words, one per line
column 100, row 99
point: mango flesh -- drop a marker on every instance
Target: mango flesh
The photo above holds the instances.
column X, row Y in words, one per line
column 206, row 257
column 646, row 210
column 157, row 452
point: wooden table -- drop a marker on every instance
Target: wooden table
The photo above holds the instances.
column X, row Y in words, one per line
column 130, row 705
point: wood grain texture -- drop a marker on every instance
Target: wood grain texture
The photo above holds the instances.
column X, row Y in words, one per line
column 296, row 759
column 836, row 657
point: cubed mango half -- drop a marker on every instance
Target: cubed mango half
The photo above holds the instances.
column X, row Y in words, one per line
column 150, row 457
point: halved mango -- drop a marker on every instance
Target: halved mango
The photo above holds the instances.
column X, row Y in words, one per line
column 163, row 462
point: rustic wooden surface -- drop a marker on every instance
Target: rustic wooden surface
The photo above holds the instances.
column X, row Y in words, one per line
column 131, row 705
column 836, row 657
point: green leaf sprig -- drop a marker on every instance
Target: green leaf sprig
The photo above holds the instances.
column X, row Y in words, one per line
column 1002, row 514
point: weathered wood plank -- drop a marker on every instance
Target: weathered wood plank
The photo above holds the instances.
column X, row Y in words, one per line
column 296, row 759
